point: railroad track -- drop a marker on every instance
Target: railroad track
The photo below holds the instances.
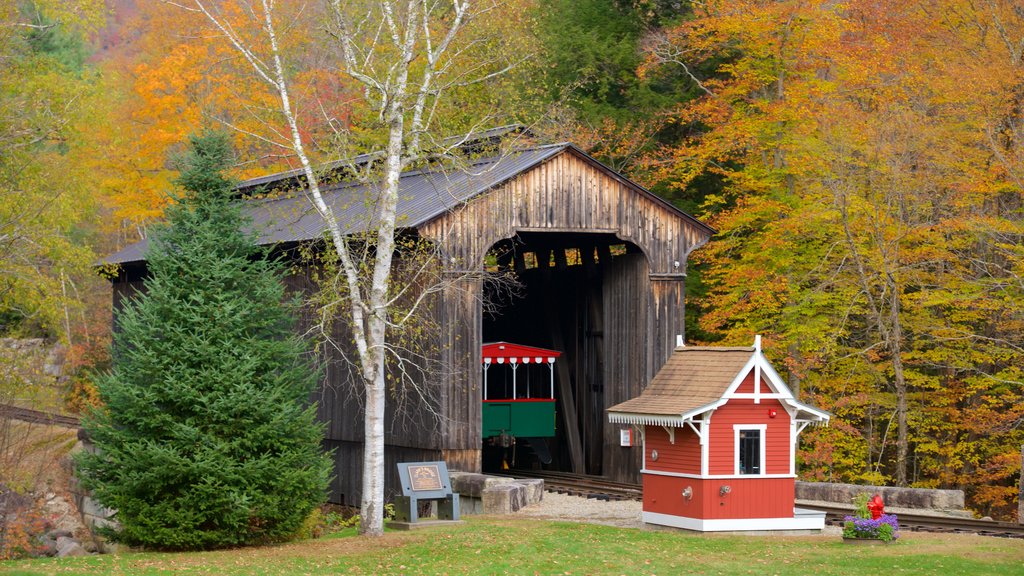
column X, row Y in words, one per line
column 600, row 488
column 595, row 487
column 835, row 515
column 38, row 417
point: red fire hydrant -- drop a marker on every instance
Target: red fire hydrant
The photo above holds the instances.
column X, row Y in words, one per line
column 876, row 507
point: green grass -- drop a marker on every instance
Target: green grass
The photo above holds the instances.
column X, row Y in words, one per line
column 504, row 546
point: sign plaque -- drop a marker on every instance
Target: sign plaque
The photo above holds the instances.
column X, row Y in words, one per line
column 425, row 477
column 422, row 482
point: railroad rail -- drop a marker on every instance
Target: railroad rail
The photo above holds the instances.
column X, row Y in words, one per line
column 38, row 417
column 595, row 487
column 835, row 515
column 600, row 488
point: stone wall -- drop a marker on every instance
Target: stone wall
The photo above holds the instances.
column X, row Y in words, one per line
column 914, row 498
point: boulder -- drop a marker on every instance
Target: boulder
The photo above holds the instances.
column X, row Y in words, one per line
column 504, row 499
column 69, row 547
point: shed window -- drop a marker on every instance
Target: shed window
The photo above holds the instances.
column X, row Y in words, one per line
column 750, row 449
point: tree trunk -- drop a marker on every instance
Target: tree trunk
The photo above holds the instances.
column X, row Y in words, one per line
column 900, row 383
column 1020, row 496
column 371, row 508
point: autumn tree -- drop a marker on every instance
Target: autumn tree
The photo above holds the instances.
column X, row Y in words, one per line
column 422, row 69
column 866, row 220
column 46, row 94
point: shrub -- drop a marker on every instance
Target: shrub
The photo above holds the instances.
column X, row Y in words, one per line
column 206, row 437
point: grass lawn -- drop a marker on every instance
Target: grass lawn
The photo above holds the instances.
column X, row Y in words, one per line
column 492, row 545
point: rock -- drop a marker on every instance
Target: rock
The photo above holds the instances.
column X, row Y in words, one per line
column 12, row 502
column 69, row 547
column 473, row 485
column 504, row 499
column 65, row 516
column 58, row 533
column 48, row 546
column 917, row 498
column 534, row 489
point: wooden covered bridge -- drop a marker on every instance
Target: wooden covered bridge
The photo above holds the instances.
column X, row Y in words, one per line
column 601, row 264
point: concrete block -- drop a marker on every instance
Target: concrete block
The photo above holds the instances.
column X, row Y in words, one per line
column 534, row 490
column 473, row 485
column 504, row 499
column 469, row 505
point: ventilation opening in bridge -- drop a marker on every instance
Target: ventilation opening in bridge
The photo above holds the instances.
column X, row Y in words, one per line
column 582, row 296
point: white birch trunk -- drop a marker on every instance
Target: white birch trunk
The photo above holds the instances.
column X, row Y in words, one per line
column 410, row 34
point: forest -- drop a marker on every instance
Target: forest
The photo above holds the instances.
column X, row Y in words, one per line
column 862, row 162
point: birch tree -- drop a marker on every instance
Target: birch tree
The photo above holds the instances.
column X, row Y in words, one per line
column 408, row 57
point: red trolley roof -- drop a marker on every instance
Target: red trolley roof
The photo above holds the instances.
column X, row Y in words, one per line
column 501, row 352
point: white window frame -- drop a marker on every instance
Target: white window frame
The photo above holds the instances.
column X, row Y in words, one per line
column 736, row 428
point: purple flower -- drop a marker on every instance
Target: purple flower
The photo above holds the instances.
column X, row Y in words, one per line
column 886, row 527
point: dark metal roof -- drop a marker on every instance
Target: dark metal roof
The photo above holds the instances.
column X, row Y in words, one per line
column 423, row 195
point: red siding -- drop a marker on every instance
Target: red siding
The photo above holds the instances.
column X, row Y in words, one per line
column 663, row 494
column 722, row 449
column 683, row 456
column 747, row 386
column 750, row 497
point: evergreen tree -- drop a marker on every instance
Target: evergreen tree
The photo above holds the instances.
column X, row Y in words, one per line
column 206, row 438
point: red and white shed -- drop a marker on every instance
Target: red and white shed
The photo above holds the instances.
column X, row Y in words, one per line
column 720, row 430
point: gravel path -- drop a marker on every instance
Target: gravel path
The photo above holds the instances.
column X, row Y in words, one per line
column 624, row 514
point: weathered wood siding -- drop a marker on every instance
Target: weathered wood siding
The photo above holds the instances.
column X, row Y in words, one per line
column 568, row 193
column 643, row 299
column 640, row 296
column 627, row 296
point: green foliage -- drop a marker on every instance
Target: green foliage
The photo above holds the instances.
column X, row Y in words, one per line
column 46, row 207
column 61, row 43
column 592, row 50
column 206, row 438
column 860, row 503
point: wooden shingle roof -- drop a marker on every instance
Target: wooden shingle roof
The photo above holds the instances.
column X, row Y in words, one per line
column 693, row 377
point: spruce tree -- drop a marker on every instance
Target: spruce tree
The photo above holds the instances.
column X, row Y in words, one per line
column 206, row 437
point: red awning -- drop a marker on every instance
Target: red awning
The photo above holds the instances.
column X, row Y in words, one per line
column 506, row 352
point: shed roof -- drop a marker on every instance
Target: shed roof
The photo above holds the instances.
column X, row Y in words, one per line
column 423, row 196
column 696, row 380
column 693, row 376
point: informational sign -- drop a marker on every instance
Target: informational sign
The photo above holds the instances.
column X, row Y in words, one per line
column 425, row 477
column 626, row 437
column 424, row 481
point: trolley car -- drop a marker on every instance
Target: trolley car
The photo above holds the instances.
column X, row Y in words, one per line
column 519, row 398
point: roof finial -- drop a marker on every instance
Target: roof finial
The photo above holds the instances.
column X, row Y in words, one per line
column 679, row 341
column 757, row 342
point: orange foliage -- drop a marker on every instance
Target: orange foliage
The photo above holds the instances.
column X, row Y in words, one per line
column 867, row 148
column 180, row 76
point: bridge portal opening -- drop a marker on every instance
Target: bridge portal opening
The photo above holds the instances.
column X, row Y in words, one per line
column 580, row 294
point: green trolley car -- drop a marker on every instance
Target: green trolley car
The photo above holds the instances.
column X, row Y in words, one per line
column 519, row 399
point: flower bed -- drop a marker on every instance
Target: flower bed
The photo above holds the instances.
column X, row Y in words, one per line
column 870, row 522
column 885, row 528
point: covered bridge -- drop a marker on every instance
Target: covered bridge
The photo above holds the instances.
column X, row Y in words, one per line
column 601, row 262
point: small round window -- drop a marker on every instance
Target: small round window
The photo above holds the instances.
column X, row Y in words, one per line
column 654, row 455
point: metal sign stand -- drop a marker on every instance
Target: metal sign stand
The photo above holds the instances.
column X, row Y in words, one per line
column 424, row 481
